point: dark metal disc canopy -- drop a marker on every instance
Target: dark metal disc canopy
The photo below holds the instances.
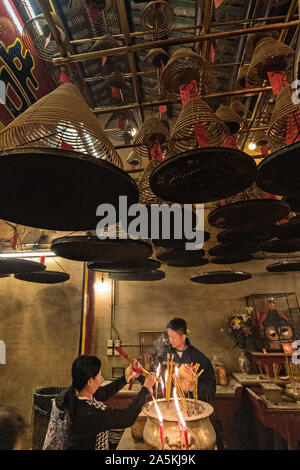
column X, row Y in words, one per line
column 284, row 267
column 128, row 267
column 290, row 229
column 279, row 173
column 81, row 248
column 45, row 277
column 203, row 175
column 289, row 245
column 155, row 275
column 233, row 250
column 58, row 189
column 16, row 266
column 178, row 244
column 252, row 211
column 228, row 260
column 250, row 233
column 221, row 277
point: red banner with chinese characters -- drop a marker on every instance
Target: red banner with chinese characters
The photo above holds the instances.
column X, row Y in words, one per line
column 25, row 76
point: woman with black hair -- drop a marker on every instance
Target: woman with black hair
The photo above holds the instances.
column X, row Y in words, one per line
column 90, row 419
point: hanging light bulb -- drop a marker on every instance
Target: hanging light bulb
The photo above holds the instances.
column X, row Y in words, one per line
column 102, row 287
column 252, row 146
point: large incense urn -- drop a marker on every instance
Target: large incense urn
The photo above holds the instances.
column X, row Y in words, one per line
column 200, row 432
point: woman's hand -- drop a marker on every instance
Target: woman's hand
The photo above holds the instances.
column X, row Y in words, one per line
column 133, row 371
column 150, row 381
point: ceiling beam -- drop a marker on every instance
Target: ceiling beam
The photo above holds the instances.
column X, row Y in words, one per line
column 131, row 60
column 245, row 91
column 174, row 42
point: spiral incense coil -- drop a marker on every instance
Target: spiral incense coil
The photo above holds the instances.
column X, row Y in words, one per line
column 61, row 119
column 260, row 139
column 105, row 67
column 146, row 195
column 230, row 118
column 152, row 129
column 254, row 39
column 184, row 67
column 38, row 38
column 105, row 91
column 196, row 111
column 121, row 125
column 242, row 77
column 239, row 108
column 95, row 17
column 278, row 124
column 158, row 18
column 156, row 57
column 270, row 55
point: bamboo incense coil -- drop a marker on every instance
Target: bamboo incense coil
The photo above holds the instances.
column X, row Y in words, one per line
column 94, row 18
column 270, row 55
column 230, row 118
column 152, row 129
column 183, row 67
column 196, row 111
column 38, row 38
column 121, row 125
column 61, row 118
column 105, row 67
column 239, row 108
column 284, row 106
column 146, row 195
column 114, row 83
column 156, row 57
column 158, row 18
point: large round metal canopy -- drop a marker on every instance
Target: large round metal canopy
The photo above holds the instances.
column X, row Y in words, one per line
column 252, row 211
column 16, row 265
column 233, row 249
column 229, row 260
column 279, row 173
column 45, row 277
column 81, row 248
column 284, row 267
column 289, row 245
column 221, row 277
column 203, row 175
column 58, row 189
column 290, row 229
column 251, row 233
column 128, row 267
column 155, row 275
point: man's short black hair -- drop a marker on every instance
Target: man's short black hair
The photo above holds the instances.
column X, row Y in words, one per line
column 178, row 325
column 12, row 427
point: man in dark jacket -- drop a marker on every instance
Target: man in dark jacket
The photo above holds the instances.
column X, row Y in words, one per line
column 184, row 353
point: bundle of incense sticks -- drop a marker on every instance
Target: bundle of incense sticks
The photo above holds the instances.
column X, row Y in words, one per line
column 132, row 359
column 293, row 371
column 180, row 391
column 170, row 366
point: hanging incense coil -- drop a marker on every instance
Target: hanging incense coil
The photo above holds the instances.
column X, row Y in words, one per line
column 148, row 198
column 94, row 17
column 196, row 111
column 158, row 18
column 284, row 106
column 260, row 138
column 133, row 158
column 239, row 108
column 152, row 129
column 114, row 91
column 242, row 77
column 121, row 126
column 61, row 119
column 105, row 67
column 155, row 58
column 183, row 67
column 270, row 55
column 254, row 39
column 38, row 38
column 230, row 118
